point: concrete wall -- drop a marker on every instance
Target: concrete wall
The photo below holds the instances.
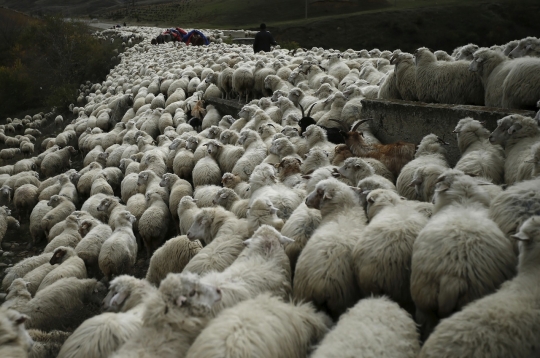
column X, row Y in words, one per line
column 395, row 120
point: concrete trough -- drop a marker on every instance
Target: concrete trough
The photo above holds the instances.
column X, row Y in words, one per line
column 395, row 120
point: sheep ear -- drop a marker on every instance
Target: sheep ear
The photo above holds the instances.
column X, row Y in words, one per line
column 180, row 300
column 442, row 187
column 21, row 318
column 514, row 128
column 223, row 196
column 521, row 237
column 285, row 240
column 118, row 299
column 248, row 241
column 415, row 182
column 327, row 196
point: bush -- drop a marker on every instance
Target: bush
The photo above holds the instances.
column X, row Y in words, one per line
column 52, row 58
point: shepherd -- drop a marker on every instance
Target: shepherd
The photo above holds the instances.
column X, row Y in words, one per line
column 263, row 40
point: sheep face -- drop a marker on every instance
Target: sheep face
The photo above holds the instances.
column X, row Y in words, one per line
column 187, row 292
column 60, row 255
column 514, row 126
column 6, row 192
column 200, row 229
column 214, row 132
column 213, row 147
column 378, row 199
column 125, row 218
column 262, row 207
column 105, row 204
column 230, row 180
column 119, row 290
column 454, row 186
column 290, row 165
column 187, row 202
column 223, row 196
column 192, row 143
column 143, row 178
column 84, row 227
column 355, row 168
column 265, row 239
column 13, row 326
column 56, row 200
column 529, row 237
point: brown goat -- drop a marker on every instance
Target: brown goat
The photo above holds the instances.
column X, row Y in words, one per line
column 341, row 152
column 394, row 155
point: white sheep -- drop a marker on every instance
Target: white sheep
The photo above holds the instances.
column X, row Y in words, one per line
column 289, row 330
column 478, row 156
column 430, row 151
column 222, row 235
column 71, row 265
column 171, row 257
column 103, row 334
column 374, row 327
column 242, row 83
column 460, row 255
column 64, row 304
column 446, row 82
column 16, row 342
column 515, row 205
column 516, row 133
column 481, row 328
column 172, row 320
column 388, row 237
column 330, row 283
column 119, row 252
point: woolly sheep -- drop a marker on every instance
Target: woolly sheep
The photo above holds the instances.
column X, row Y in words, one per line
column 234, row 182
column 14, row 339
column 255, row 152
column 520, row 88
column 481, row 328
column 62, row 208
column 23, row 267
column 374, row 327
column 119, row 252
column 478, row 156
column 171, row 320
column 515, row 205
column 388, row 237
column 64, row 304
column 430, row 151
column 70, row 234
column 206, row 172
column 154, row 222
column 70, row 266
column 516, row 134
column 330, row 284
column 171, row 257
column 93, row 233
column 47, row 344
column 289, row 332
column 444, row 82
column 440, row 279
column 55, row 162
column 222, row 235
column 178, row 188
column 228, row 199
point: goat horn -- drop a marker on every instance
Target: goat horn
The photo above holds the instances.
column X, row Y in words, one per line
column 341, row 123
column 302, row 109
column 359, row 123
column 310, row 108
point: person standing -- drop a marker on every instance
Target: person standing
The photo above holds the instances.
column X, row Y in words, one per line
column 263, row 40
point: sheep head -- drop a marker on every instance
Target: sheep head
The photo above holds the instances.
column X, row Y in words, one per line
column 265, row 240
column 186, row 292
column 61, row 254
column 379, row 199
column 513, row 127
column 355, row 168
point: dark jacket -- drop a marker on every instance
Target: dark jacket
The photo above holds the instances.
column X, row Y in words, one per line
column 263, row 40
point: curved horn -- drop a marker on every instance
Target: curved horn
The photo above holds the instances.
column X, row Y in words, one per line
column 310, row 108
column 302, row 109
column 341, row 123
column 359, row 123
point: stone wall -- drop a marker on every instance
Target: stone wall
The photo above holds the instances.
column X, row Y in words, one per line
column 395, row 120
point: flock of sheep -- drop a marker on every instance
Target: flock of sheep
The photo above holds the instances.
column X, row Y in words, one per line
column 289, row 231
